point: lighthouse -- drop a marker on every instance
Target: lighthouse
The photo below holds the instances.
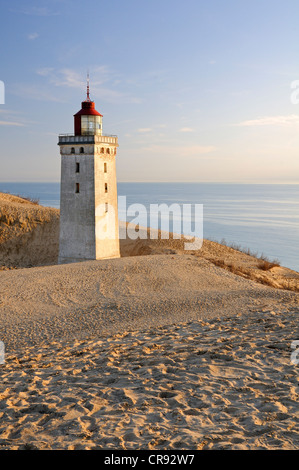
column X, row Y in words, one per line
column 88, row 189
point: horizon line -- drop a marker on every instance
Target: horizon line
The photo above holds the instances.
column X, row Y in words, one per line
column 161, row 182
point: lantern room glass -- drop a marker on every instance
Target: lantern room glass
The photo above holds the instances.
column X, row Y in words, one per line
column 91, row 125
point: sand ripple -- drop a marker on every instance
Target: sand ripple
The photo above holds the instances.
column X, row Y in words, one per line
column 219, row 384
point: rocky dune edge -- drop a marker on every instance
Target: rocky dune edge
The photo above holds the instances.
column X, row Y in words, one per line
column 176, row 350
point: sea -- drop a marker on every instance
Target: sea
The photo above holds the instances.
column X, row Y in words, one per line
column 263, row 218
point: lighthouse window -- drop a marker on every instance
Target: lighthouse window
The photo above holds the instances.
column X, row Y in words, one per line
column 105, row 167
column 77, row 167
column 106, row 188
column 81, row 149
column 106, row 206
column 73, row 150
column 90, row 125
column 77, row 188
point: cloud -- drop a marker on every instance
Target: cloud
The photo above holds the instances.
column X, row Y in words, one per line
column 9, row 112
column 104, row 83
column 64, row 77
column 13, row 118
column 285, row 121
column 35, row 11
column 33, row 36
column 178, row 150
column 11, row 123
column 35, row 93
column 142, row 130
column 45, row 72
column 194, row 150
column 186, row 129
column 69, row 78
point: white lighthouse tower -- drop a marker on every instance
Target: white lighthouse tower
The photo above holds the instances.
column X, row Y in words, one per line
column 88, row 196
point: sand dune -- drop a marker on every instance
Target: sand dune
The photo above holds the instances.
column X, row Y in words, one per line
column 29, row 236
column 91, row 298
column 160, row 349
column 29, row 233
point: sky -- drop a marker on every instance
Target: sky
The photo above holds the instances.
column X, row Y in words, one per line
column 196, row 91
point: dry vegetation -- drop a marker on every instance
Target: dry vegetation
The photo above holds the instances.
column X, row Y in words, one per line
column 240, row 261
column 258, row 268
column 262, row 271
column 28, row 232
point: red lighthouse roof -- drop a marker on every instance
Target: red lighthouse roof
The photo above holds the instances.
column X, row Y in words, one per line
column 87, row 109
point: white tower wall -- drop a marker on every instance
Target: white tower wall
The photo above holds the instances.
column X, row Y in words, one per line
column 88, row 199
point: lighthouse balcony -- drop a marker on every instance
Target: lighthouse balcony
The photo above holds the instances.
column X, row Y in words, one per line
column 65, row 139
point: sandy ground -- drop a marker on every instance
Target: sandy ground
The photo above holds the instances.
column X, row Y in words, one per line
column 225, row 383
column 74, row 301
column 161, row 349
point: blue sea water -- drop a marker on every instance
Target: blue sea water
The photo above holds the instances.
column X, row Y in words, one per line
column 264, row 218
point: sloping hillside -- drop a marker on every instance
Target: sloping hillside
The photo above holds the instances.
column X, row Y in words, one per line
column 29, row 233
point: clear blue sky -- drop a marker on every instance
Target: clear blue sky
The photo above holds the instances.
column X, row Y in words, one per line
column 198, row 90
